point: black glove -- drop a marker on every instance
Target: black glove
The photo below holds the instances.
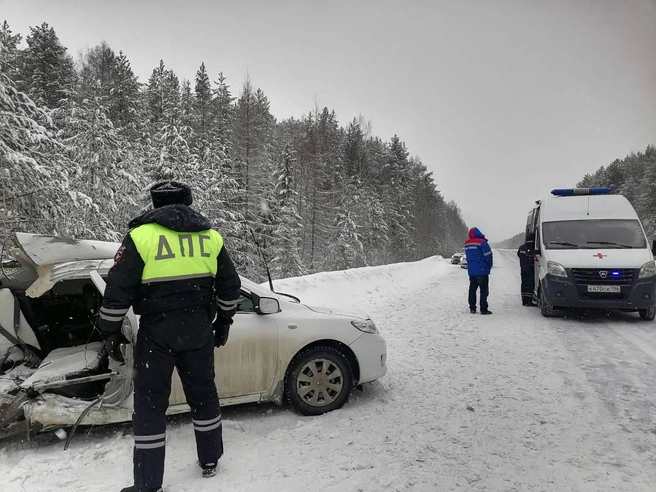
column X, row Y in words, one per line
column 221, row 332
column 113, row 343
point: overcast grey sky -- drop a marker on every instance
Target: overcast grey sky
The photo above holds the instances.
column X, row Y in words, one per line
column 503, row 100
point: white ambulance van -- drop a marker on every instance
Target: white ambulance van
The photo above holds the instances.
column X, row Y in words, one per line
column 591, row 251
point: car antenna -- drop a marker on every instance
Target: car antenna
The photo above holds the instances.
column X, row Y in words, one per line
column 264, row 261
column 266, row 266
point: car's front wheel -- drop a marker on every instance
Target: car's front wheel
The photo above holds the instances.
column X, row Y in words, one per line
column 647, row 314
column 547, row 310
column 319, row 380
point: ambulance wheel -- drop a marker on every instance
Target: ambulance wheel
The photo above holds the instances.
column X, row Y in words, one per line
column 319, row 380
column 546, row 309
column 647, row 314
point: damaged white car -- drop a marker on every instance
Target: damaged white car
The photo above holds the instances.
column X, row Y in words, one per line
column 55, row 372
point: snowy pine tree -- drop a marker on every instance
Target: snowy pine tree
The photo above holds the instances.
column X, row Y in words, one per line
column 396, row 177
column 34, row 183
column 349, row 250
column 125, row 107
column 46, row 72
column 224, row 114
column 103, row 185
column 203, row 118
column 170, row 154
column 9, row 52
column 286, row 244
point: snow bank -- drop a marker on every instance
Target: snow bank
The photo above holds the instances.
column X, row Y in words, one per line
column 350, row 287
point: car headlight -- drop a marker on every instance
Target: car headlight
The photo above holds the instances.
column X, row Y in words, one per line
column 556, row 269
column 648, row 270
column 365, row 325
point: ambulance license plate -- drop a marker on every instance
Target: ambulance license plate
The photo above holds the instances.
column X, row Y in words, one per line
column 615, row 289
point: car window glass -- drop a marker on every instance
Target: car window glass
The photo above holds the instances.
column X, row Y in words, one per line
column 245, row 303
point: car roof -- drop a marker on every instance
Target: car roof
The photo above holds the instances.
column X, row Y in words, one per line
column 586, row 207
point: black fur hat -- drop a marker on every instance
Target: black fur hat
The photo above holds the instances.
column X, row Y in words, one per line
column 169, row 193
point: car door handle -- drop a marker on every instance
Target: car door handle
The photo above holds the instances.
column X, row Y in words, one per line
column 292, row 326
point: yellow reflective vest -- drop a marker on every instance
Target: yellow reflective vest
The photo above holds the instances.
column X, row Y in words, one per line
column 170, row 255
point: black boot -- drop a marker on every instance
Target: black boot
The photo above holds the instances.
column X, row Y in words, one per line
column 134, row 488
column 472, row 310
column 209, row 470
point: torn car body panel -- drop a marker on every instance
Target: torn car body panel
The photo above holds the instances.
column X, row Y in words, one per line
column 51, row 250
column 52, row 411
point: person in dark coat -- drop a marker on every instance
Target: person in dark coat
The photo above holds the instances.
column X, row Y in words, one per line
column 479, row 264
column 526, row 262
column 175, row 271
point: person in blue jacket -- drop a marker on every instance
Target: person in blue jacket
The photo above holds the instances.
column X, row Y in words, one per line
column 479, row 265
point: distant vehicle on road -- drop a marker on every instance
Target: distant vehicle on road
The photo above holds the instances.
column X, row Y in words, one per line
column 591, row 252
column 455, row 259
column 463, row 262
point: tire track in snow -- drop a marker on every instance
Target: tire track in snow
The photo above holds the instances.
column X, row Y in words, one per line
column 615, row 354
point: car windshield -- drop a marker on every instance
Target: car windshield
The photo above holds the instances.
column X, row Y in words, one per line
column 594, row 234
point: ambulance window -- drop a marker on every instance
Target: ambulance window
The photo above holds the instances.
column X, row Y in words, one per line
column 529, row 226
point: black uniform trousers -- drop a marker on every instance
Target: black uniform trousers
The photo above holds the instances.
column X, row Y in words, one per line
column 185, row 340
column 476, row 282
column 528, row 285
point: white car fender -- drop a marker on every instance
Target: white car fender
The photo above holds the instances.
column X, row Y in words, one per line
column 304, row 327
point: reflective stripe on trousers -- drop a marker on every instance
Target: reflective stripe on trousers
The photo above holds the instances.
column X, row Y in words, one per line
column 207, row 425
column 150, row 442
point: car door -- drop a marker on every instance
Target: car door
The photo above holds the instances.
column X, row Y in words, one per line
column 247, row 364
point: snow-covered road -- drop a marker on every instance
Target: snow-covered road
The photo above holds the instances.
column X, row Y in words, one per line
column 510, row 402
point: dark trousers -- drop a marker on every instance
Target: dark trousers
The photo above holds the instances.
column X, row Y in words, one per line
column 476, row 282
column 183, row 340
column 528, row 284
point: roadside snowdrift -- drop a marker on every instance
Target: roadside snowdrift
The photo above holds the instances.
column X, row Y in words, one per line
column 360, row 287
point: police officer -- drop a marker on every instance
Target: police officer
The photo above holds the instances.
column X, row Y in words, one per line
column 527, row 272
column 175, row 271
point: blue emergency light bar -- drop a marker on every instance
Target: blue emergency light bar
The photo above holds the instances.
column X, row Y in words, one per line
column 582, row 191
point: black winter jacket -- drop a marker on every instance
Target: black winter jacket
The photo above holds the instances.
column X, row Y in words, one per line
column 151, row 301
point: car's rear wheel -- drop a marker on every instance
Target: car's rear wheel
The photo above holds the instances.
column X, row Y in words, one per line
column 647, row 314
column 319, row 380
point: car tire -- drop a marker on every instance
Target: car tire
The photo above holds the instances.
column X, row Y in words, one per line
column 547, row 310
column 319, row 380
column 647, row 314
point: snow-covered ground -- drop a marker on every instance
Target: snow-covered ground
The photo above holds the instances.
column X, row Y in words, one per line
column 510, row 402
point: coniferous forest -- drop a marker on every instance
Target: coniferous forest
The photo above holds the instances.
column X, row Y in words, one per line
column 635, row 178
column 81, row 141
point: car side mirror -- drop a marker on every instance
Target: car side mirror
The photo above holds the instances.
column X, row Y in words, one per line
column 532, row 250
column 268, row 305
